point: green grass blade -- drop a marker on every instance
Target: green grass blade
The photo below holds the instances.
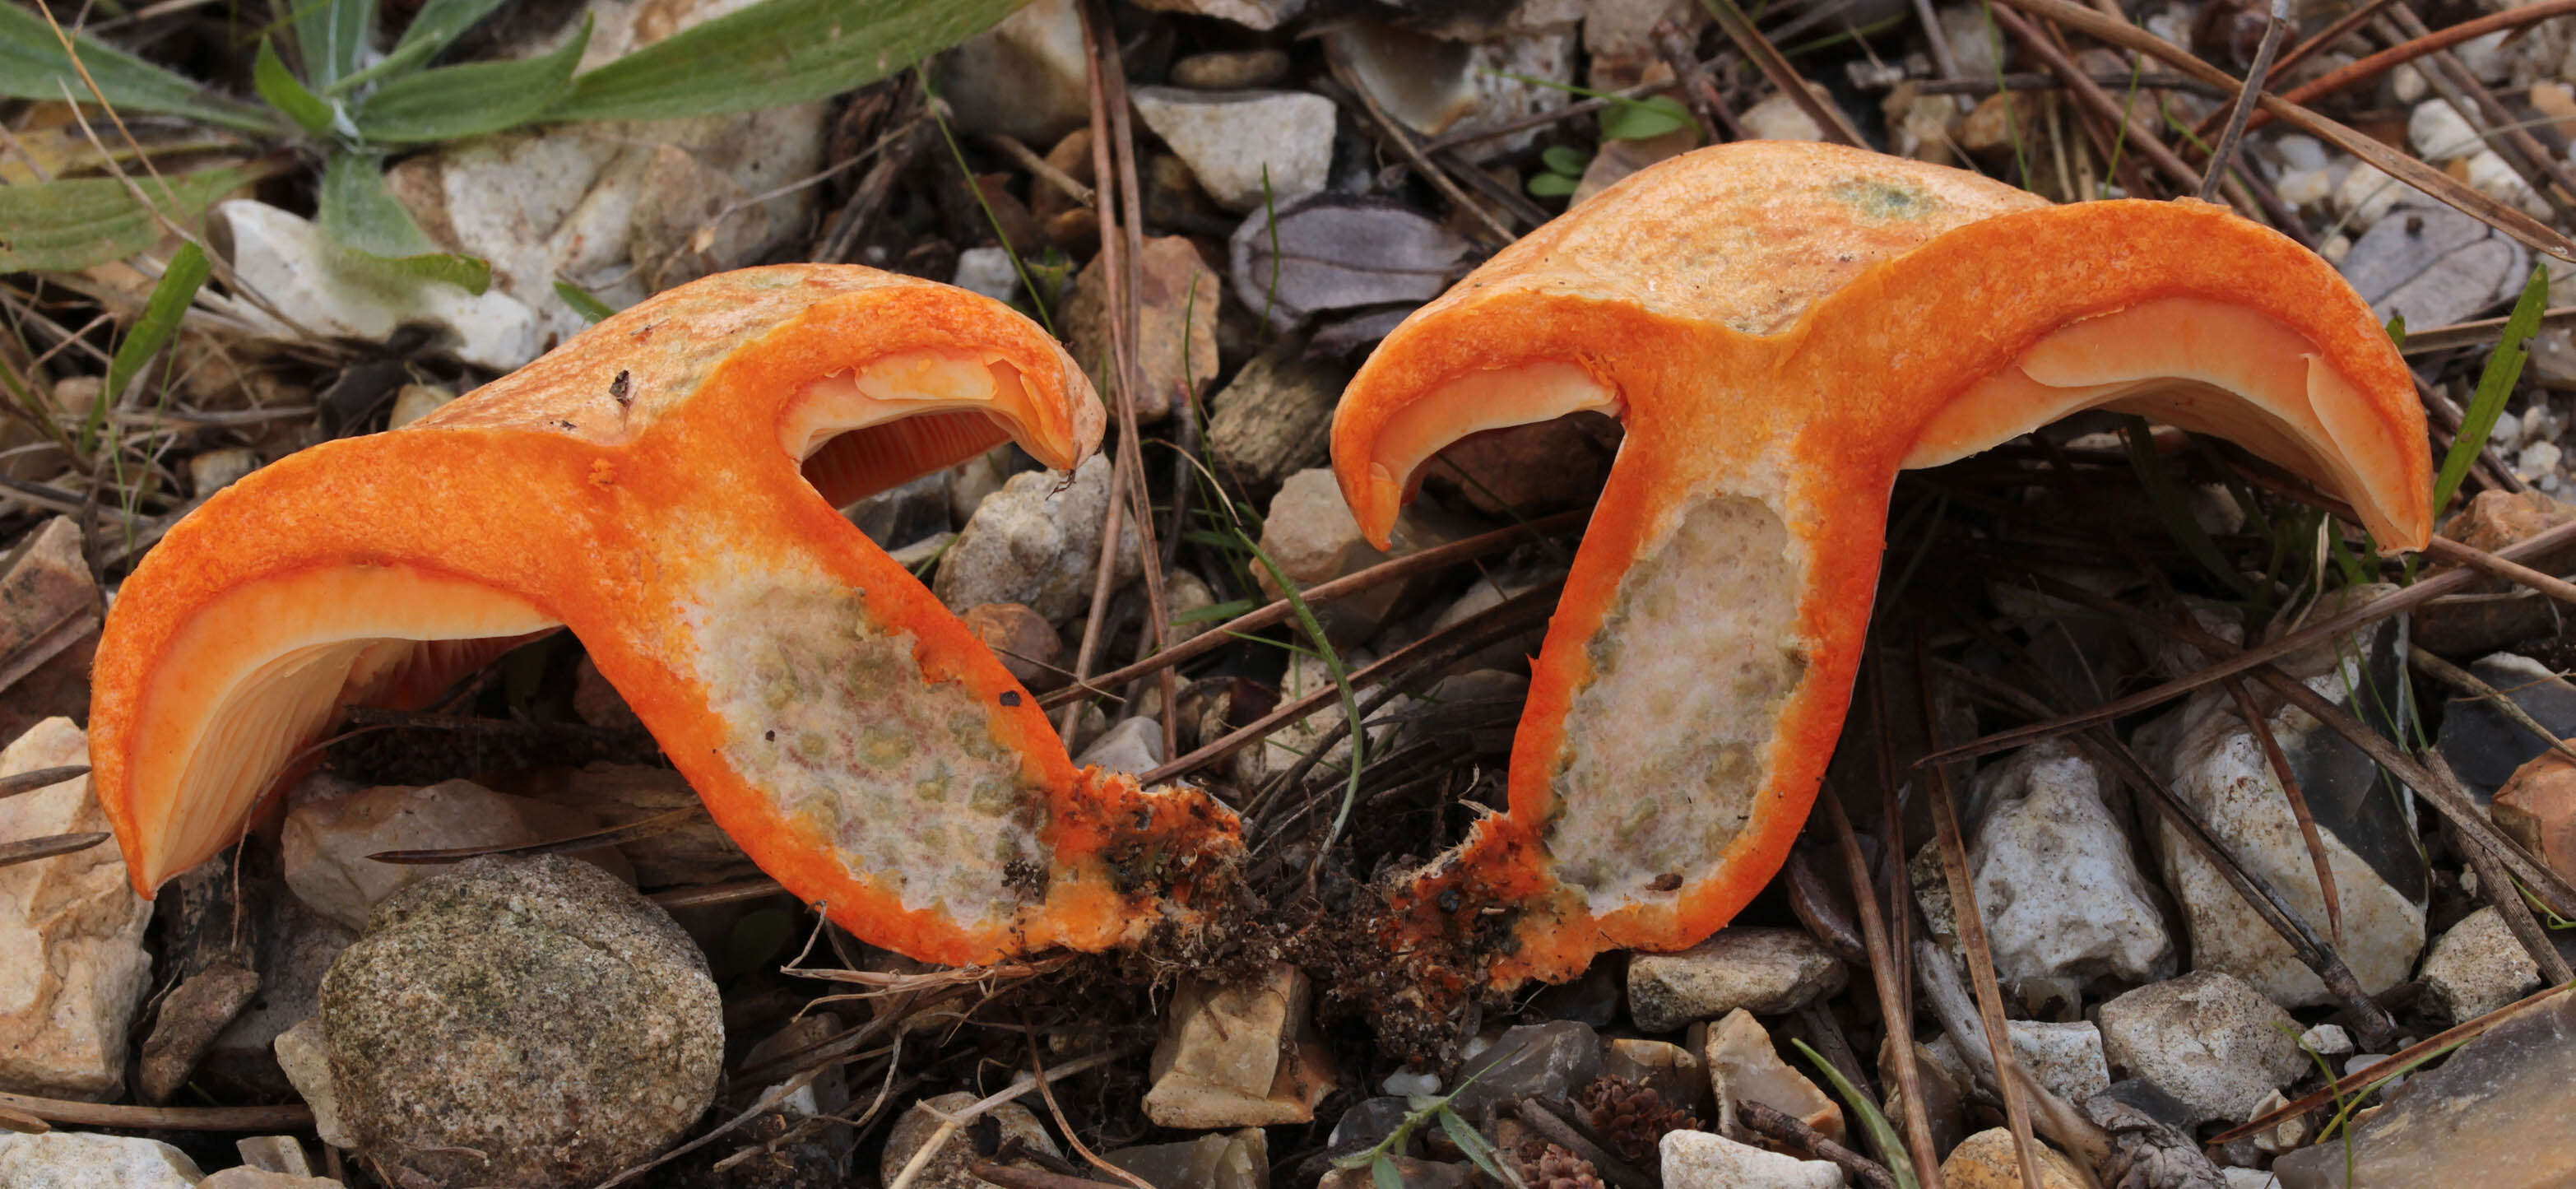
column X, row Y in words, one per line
column 438, row 25
column 773, row 53
column 2496, row 383
column 33, row 65
column 453, row 102
column 160, row 322
column 332, row 35
column 1881, row 1134
column 61, row 226
column 582, row 302
column 1475, row 1147
column 278, row 85
column 372, row 233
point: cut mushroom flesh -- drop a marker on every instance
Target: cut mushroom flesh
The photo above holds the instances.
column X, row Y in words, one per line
column 1783, row 327
column 642, row 486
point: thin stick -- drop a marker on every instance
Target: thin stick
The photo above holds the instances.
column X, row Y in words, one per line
column 1972, row 938
column 2496, row 699
column 2092, row 96
column 1104, row 580
column 1779, row 1125
column 41, row 778
column 2442, row 39
column 951, row 1124
column 1891, row 994
column 1279, row 612
column 2080, row 1136
column 1065, row 1125
column 1395, row 135
column 2273, row 28
column 2496, row 887
column 1039, row 168
column 1740, row 29
column 2504, row 563
column 32, row 849
column 2361, row 1079
column 287, row 1117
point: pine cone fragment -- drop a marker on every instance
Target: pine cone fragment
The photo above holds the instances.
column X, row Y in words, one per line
column 1548, row 1166
column 1632, row 1117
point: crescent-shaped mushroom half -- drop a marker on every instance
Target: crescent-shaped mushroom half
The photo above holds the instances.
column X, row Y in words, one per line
column 664, row 485
column 1782, row 327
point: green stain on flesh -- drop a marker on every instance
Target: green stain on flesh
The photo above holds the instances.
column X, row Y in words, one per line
column 1885, row 201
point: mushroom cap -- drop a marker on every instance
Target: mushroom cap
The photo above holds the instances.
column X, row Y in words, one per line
column 1783, row 326
column 653, row 485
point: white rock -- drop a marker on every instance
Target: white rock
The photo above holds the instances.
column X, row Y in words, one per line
column 1780, row 118
column 326, row 841
column 2328, row 1040
column 285, row 259
column 2536, row 460
column 1309, row 531
column 1409, row 1081
column 2439, row 133
column 2249, row 1178
column 1024, row 78
column 1438, row 87
column 415, row 401
column 616, row 207
column 1767, row 971
column 1703, row 1160
column 2212, row 761
column 2479, row 966
column 2489, row 175
column 1231, row 139
column 84, row 1160
column 2054, row 877
column 2365, row 196
column 1975, row 42
column 1134, row 746
column 1037, row 542
column 2307, row 187
column 988, row 271
column 2207, row 1039
column 2407, row 83
column 73, row 932
column 215, row 470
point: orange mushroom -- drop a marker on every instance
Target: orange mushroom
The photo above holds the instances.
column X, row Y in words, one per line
column 1783, row 326
column 664, row 485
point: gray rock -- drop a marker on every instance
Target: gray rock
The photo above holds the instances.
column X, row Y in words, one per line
column 1274, row 418
column 2492, row 1115
column 2208, row 1039
column 2066, row 1058
column 84, row 1160
column 2053, row 874
column 947, row 1167
column 904, row 513
column 1310, row 533
column 306, row 1062
column 327, row 841
column 2211, row 760
column 1765, row 971
column 1023, row 78
column 1134, row 746
column 988, row 271
column 1338, row 252
column 2483, row 746
column 1368, row 1121
column 2478, row 966
column 1246, row 148
column 2434, row 265
column 527, row 1022
column 1704, row 1160
column 73, row 929
column 1037, row 541
column 1237, row 1159
column 1554, row 1060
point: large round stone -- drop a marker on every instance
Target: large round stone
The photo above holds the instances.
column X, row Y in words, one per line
column 520, row 1022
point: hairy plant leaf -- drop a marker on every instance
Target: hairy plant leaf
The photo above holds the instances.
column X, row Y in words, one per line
column 59, row 226
column 1553, row 185
column 470, row 100
column 583, row 302
column 284, row 92
column 1384, row 1175
column 33, row 65
column 160, row 321
column 1333, row 252
column 2496, row 383
column 375, row 235
column 774, row 53
column 437, row 26
column 1564, row 159
column 331, row 35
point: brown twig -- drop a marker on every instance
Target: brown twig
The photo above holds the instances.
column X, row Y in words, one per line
column 2396, row 56
column 32, row 849
column 2276, row 24
column 1559, row 1132
column 1766, row 56
column 2093, row 97
column 2496, row 887
column 41, row 778
column 1393, row 130
column 287, row 1117
column 634, row 831
column 1773, row 1122
column 2261, row 726
column 1972, row 933
column 1892, row 995
column 2371, row 612
column 1278, row 612
column 2497, row 129
column 2398, row 1062
column 1697, row 93
column 1040, row 168
column 2469, row 683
